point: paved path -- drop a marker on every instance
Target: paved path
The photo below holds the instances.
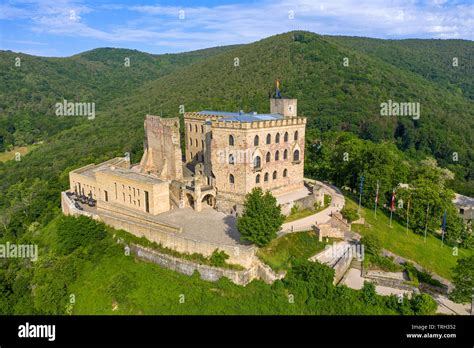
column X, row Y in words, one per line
column 304, row 224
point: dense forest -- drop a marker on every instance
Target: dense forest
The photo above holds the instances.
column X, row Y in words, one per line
column 336, row 97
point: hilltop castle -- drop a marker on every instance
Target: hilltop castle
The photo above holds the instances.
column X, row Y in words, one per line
column 227, row 155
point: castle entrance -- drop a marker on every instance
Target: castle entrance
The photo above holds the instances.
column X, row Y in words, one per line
column 190, row 200
column 210, row 200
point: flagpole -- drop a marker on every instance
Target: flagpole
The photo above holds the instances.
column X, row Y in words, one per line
column 426, row 220
column 392, row 206
column 443, row 228
column 376, row 199
column 360, row 192
column 408, row 209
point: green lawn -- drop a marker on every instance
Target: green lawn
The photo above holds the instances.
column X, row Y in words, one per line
column 431, row 255
column 299, row 245
column 299, row 215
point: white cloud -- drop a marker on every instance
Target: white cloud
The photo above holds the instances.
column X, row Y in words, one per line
column 242, row 23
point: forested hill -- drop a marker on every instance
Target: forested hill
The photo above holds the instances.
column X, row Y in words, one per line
column 449, row 63
column 310, row 66
column 31, row 86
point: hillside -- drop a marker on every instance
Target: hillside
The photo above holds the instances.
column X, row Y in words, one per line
column 30, row 91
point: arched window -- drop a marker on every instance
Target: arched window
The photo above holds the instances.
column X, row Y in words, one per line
column 257, row 179
column 231, row 140
column 265, row 178
column 190, row 128
column 274, row 175
column 277, row 138
column 231, row 179
column 191, row 156
column 285, row 173
column 296, row 135
column 202, row 129
column 286, row 137
column 267, row 159
column 231, row 159
column 196, row 142
column 285, row 154
column 190, row 141
column 196, row 128
column 255, row 141
column 269, row 139
column 202, row 143
column 296, row 155
column 277, row 155
column 257, row 162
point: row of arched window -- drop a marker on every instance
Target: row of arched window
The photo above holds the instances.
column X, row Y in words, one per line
column 190, row 127
column 257, row 161
column 256, row 140
column 266, row 177
column 196, row 142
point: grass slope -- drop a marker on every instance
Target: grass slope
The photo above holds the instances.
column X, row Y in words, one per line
column 431, row 255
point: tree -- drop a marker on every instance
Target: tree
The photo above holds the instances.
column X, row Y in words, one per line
column 262, row 217
column 463, row 280
column 368, row 293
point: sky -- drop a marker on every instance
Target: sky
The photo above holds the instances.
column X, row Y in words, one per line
column 61, row 28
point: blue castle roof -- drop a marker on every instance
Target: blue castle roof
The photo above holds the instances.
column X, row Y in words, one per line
column 241, row 116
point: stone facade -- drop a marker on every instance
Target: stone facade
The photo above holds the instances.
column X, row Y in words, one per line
column 238, row 152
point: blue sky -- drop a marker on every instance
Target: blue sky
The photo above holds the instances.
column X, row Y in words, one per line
column 67, row 27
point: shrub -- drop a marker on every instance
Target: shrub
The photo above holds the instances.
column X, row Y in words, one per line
column 371, row 244
column 74, row 232
column 350, row 214
column 423, row 304
column 218, row 258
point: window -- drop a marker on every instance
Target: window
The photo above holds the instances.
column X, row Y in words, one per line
column 231, row 140
column 265, row 178
column 296, row 135
column 190, row 128
column 285, row 173
column 268, row 157
column 285, row 154
column 277, row 138
column 190, row 142
column 191, row 156
column 147, row 203
column 269, row 139
column 257, row 162
column 106, row 196
column 196, row 128
column 231, row 159
column 277, row 155
column 202, row 144
column 196, row 142
column 257, row 179
column 286, row 137
column 274, row 175
column 255, row 141
column 296, row 155
column 202, row 129
column 231, row 179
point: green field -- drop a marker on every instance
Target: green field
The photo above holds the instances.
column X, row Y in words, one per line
column 431, row 255
column 10, row 155
column 280, row 252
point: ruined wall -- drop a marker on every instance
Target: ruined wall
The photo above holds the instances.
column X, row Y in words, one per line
column 162, row 153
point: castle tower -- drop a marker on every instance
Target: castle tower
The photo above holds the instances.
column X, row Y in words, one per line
column 283, row 106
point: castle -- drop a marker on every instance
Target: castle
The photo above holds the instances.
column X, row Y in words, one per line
column 227, row 155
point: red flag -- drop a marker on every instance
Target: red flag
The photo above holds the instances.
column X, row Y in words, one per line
column 392, row 206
